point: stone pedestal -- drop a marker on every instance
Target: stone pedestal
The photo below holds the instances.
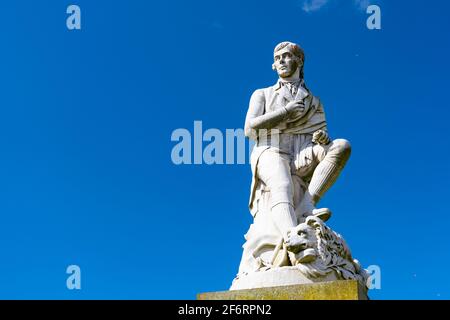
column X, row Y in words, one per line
column 330, row 290
column 277, row 277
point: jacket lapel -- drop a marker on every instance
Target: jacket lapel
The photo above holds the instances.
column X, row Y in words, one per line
column 281, row 96
column 302, row 93
column 284, row 96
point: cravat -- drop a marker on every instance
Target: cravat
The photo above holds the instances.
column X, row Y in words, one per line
column 292, row 87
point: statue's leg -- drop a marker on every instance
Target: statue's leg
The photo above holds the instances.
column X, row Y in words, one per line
column 275, row 171
column 331, row 160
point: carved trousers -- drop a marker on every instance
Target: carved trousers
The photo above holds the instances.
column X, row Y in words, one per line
column 275, row 168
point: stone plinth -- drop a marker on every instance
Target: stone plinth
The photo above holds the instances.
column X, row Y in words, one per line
column 331, row 290
column 277, row 277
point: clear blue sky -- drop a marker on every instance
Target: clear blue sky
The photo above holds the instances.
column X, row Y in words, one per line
column 86, row 176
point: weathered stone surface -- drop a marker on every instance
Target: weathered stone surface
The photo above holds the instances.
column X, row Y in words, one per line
column 331, row 290
column 277, row 277
column 294, row 162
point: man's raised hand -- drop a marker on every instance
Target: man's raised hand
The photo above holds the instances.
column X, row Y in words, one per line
column 295, row 106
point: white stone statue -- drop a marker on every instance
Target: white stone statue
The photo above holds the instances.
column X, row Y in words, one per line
column 294, row 162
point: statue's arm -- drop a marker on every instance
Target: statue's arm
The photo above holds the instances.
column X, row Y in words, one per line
column 256, row 118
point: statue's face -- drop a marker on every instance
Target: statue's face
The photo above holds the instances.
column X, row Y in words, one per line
column 285, row 63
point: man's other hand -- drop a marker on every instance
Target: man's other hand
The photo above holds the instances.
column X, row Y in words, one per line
column 321, row 137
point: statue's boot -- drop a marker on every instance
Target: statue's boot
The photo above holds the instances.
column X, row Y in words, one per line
column 322, row 213
column 307, row 208
column 283, row 216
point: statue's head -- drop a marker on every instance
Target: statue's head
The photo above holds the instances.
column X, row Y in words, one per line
column 288, row 58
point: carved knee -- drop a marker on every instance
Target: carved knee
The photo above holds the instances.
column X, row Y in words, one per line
column 341, row 148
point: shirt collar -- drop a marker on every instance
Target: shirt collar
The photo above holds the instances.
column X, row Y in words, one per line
column 280, row 83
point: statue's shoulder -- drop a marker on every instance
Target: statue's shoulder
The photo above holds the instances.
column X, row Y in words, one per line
column 316, row 100
column 264, row 92
column 311, row 95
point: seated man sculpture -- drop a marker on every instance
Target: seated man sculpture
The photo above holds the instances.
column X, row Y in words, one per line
column 294, row 162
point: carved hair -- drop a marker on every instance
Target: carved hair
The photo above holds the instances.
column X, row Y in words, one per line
column 296, row 50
